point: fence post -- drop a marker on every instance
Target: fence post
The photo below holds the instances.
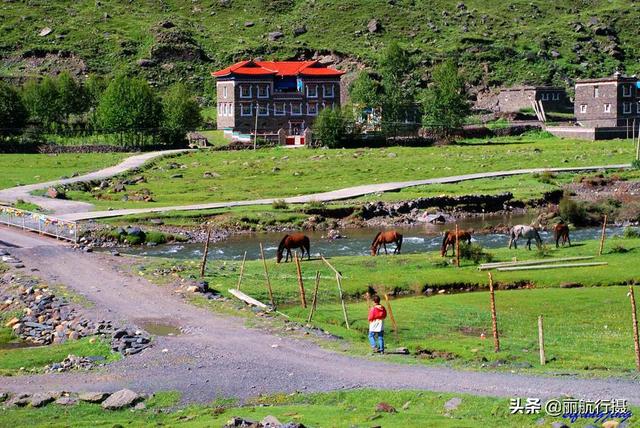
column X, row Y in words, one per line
column 244, row 258
column 543, row 360
column 393, row 320
column 315, row 297
column 339, row 281
column 494, row 320
column 303, row 298
column 266, row 275
column 457, row 246
column 203, row 265
column 603, row 236
column 634, row 318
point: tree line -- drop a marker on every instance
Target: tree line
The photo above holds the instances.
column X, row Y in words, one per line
column 393, row 91
column 127, row 108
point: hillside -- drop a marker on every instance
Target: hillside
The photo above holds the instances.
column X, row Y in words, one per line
column 527, row 41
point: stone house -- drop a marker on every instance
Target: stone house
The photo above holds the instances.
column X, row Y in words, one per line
column 607, row 102
column 517, row 98
column 268, row 96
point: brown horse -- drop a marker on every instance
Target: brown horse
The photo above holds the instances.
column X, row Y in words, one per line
column 561, row 231
column 295, row 240
column 384, row 238
column 450, row 239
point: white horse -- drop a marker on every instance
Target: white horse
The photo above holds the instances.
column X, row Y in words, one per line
column 528, row 232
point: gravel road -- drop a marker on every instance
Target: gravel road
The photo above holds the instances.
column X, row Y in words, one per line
column 217, row 356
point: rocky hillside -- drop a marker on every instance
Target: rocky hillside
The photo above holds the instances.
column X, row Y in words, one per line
column 497, row 42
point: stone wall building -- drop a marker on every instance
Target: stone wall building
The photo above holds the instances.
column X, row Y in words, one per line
column 284, row 95
column 607, row 102
column 517, row 98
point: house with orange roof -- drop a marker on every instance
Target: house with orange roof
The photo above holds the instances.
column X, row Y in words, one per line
column 269, row 96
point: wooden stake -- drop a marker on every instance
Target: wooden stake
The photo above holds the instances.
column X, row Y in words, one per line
column 457, row 247
column 303, row 298
column 543, row 360
column 393, row 320
column 604, row 234
column 634, row 318
column 244, row 258
column 550, row 266
column 494, row 320
column 339, row 281
column 315, row 296
column 266, row 275
column 203, row 265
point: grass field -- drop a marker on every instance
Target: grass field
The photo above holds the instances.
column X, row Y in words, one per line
column 20, row 169
column 328, row 410
column 282, row 172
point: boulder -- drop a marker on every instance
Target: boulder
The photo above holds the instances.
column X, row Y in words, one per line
column 270, row 422
column 275, row 35
column 67, row 401
column 45, row 32
column 40, row 399
column 299, row 31
column 13, row 321
column 374, row 26
column 241, row 422
column 249, row 24
column 120, row 399
column 452, row 404
column 19, row 400
column 54, row 193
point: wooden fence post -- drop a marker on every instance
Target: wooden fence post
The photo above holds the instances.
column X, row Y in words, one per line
column 303, row 298
column 314, row 302
column 634, row 318
column 203, row 265
column 457, row 246
column 244, row 258
column 393, row 320
column 266, row 275
column 344, row 307
column 603, row 236
column 543, row 360
column 494, row 320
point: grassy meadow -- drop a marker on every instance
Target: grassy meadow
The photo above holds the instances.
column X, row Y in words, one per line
column 282, row 172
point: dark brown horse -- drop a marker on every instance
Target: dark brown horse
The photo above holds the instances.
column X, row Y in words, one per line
column 295, row 240
column 384, row 238
column 450, row 238
column 561, row 231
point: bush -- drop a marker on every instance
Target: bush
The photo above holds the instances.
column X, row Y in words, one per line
column 155, row 237
column 635, row 164
column 181, row 114
column 543, row 251
column 475, row 253
column 135, row 239
column 545, row 177
column 573, row 212
column 279, row 204
column 13, row 114
column 333, row 126
column 631, row 233
column 619, row 249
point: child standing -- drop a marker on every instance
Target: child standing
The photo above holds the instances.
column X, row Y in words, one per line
column 376, row 325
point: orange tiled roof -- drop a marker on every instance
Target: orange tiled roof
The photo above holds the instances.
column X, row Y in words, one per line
column 278, row 68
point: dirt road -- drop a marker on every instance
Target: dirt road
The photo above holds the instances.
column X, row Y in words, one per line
column 216, row 356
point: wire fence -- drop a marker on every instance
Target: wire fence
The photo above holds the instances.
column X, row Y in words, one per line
column 41, row 223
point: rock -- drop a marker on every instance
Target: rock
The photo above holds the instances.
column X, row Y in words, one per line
column 13, row 321
column 45, row 32
column 249, row 24
column 166, row 24
column 19, row 400
column 119, row 187
column 176, row 176
column 392, row 155
column 560, row 425
column 609, row 424
column 41, row 399
column 385, row 407
column 134, row 231
column 54, row 193
column 275, row 35
column 555, row 54
column 67, row 401
column 93, row 397
column 271, row 422
column 374, row 26
column 406, row 405
column 210, row 174
column 120, row 399
column 452, row 404
column 241, row 422
column 400, row 351
column 140, row 406
column 298, row 31
column 145, row 62
column 3, row 396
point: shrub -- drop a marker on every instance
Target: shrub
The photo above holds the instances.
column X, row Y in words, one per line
column 475, row 253
column 619, row 249
column 546, row 177
column 134, row 239
column 279, row 204
column 631, row 232
column 543, row 251
column 635, row 164
column 155, row 237
column 573, row 212
column 13, row 114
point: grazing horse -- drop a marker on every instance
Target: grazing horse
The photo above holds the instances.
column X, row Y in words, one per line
column 450, row 239
column 527, row 232
column 295, row 240
column 384, row 238
column 561, row 231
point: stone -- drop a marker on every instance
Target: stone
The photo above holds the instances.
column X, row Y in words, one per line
column 240, row 422
column 54, row 193
column 249, row 24
column 45, row 32
column 140, row 406
column 270, row 422
column 452, row 404
column 400, row 351
column 120, row 399
column 19, row 400
column 406, row 405
column 374, row 26
column 559, row 425
column 275, row 35
column 67, row 401
column 299, row 31
column 13, row 321
column 611, row 424
column 145, row 62
column 176, row 176
column 385, row 407
column 40, row 399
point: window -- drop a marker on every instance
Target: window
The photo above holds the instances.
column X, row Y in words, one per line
column 245, row 91
column 312, row 91
column 607, row 108
column 312, row 109
column 626, row 108
column 246, row 109
column 263, row 109
column 638, row 107
column 545, row 96
column 327, row 91
column 596, row 92
column 219, row 109
column 556, row 96
column 583, row 108
column 263, row 91
column 296, row 109
column 224, row 91
column 279, row 109
column 626, row 90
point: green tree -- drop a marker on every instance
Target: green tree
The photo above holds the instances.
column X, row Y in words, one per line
column 73, row 98
column 13, row 114
column 445, row 104
column 181, row 113
column 398, row 88
column 130, row 107
column 42, row 100
column 365, row 91
column 333, row 126
column 94, row 88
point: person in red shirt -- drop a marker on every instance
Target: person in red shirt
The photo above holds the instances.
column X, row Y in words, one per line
column 376, row 325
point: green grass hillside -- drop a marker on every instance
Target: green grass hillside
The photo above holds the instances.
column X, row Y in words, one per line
column 497, row 42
